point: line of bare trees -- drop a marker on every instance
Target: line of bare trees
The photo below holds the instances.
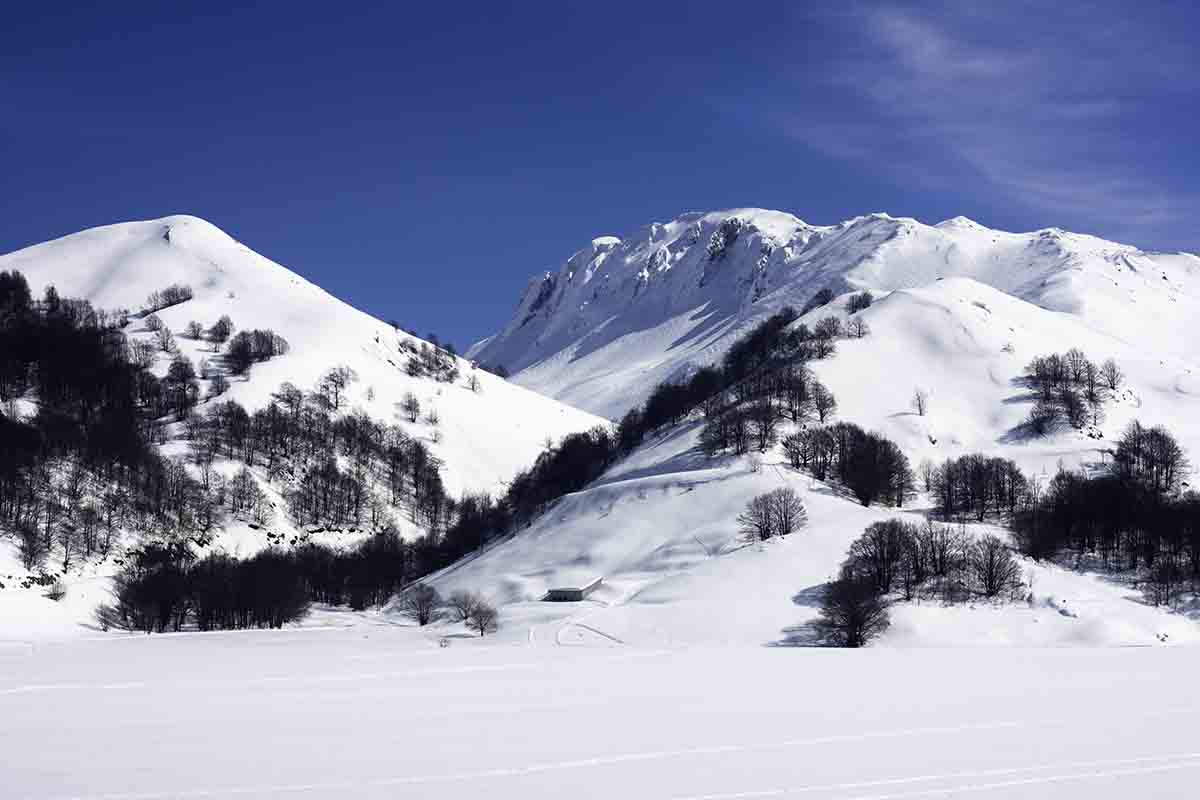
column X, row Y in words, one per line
column 1071, row 388
column 423, row 604
column 900, row 559
column 870, row 465
column 774, row 513
column 975, row 484
column 1138, row 517
column 166, row 297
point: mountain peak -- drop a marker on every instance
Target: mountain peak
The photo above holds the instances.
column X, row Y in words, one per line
column 960, row 222
column 118, row 266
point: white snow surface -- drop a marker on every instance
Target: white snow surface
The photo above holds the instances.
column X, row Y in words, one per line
column 486, row 437
column 356, row 707
column 622, row 315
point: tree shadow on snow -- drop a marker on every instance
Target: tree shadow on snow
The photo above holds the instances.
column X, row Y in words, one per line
column 832, row 490
column 805, row 634
column 1022, row 433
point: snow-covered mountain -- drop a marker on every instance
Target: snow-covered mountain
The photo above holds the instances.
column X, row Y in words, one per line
column 960, row 310
column 625, row 314
column 482, row 428
column 117, row 266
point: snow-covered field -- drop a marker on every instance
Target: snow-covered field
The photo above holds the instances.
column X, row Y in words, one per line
column 355, row 707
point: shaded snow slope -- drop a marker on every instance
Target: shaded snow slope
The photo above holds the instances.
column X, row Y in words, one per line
column 485, row 437
column 623, row 315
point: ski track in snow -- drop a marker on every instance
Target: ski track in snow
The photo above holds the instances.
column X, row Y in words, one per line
column 1157, row 763
column 1177, row 761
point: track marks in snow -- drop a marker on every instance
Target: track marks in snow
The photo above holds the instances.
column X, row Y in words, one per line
column 1107, row 768
column 70, row 687
column 566, row 765
column 273, row 680
column 558, row 637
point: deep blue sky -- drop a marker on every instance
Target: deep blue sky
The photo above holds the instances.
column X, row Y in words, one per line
column 423, row 160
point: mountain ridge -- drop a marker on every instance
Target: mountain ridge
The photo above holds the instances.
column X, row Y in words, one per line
column 621, row 315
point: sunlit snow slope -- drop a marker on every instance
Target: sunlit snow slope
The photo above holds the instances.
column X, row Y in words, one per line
column 624, row 314
column 484, row 437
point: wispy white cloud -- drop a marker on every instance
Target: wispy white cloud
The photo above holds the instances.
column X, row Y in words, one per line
column 1045, row 107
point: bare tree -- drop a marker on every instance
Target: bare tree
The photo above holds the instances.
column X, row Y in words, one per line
column 775, row 513
column 334, row 383
column 220, row 332
column 876, row 556
column 1165, row 582
column 421, row 603
column 411, row 406
column 859, row 302
column 993, row 566
column 852, row 613
column 484, row 617
column 787, row 511
column 462, row 603
column 754, row 523
column 920, row 401
column 857, row 328
column 32, row 547
column 1076, row 364
column 926, row 471
column 142, row 353
column 764, row 420
column 1112, row 375
column 193, row 330
column 823, row 402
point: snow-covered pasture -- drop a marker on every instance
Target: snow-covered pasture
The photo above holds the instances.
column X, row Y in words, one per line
column 358, row 707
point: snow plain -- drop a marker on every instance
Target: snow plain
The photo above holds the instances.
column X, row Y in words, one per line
column 358, row 707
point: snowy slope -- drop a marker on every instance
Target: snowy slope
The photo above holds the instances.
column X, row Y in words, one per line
column 966, row 345
column 625, row 314
column 660, row 527
column 119, row 265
